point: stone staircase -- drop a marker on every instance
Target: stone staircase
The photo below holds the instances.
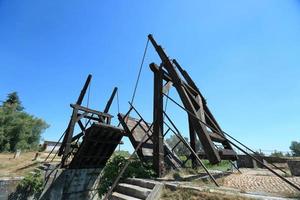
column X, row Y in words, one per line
column 137, row 189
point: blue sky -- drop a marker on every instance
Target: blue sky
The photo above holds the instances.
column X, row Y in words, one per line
column 243, row 55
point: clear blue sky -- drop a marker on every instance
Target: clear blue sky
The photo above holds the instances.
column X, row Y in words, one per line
column 243, row 55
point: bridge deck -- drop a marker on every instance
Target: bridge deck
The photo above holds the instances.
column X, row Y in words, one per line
column 97, row 146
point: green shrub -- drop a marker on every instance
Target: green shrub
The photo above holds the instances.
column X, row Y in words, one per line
column 114, row 167
column 224, row 165
column 31, row 185
column 125, row 154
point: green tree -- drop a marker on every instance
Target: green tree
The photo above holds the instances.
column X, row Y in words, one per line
column 287, row 154
column 18, row 129
column 277, row 154
column 13, row 101
column 181, row 149
column 260, row 153
column 295, row 147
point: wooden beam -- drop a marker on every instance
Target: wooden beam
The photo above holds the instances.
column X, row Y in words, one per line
column 85, row 109
column 200, row 129
column 109, row 102
column 210, row 118
column 158, row 143
column 83, row 91
column 192, row 141
column 130, row 135
column 69, row 136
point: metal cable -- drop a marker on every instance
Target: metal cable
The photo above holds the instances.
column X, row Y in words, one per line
column 220, row 132
column 194, row 116
column 166, row 105
column 88, row 102
column 140, row 70
column 118, row 104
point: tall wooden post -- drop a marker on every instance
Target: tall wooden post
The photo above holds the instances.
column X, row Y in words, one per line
column 69, row 136
column 158, row 148
column 65, row 146
column 200, row 129
column 192, row 141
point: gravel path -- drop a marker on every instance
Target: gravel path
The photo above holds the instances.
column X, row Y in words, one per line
column 261, row 181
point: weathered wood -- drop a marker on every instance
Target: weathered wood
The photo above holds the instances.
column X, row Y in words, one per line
column 68, row 137
column 144, row 128
column 130, row 135
column 88, row 110
column 109, row 102
column 158, row 148
column 97, row 146
column 216, row 137
column 200, row 129
column 83, row 91
column 167, row 78
column 79, row 135
column 192, row 141
column 211, row 121
column 178, row 134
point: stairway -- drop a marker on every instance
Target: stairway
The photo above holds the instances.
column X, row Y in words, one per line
column 137, row 189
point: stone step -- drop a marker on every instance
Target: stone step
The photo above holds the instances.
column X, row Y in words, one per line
column 133, row 190
column 119, row 196
column 140, row 182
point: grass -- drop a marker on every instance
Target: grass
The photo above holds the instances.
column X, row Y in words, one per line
column 10, row 167
column 224, row 165
column 294, row 196
column 184, row 194
column 207, row 182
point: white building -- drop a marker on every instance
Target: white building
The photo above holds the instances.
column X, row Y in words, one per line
column 49, row 145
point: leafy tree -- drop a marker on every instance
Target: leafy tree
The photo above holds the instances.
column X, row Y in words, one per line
column 288, row 154
column 181, row 149
column 13, row 101
column 259, row 153
column 277, row 154
column 123, row 153
column 295, row 147
column 18, row 129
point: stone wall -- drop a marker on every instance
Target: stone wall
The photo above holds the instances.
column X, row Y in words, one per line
column 8, row 185
column 72, row 184
column 294, row 166
column 245, row 161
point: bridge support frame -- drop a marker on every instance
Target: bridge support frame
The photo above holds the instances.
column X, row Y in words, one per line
column 158, row 125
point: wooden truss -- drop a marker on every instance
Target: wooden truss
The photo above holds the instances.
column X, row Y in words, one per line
column 199, row 115
column 136, row 129
column 99, row 138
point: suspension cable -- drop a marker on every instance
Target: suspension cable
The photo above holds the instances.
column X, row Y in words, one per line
column 54, row 146
column 139, row 73
column 271, row 170
column 118, row 103
column 88, row 102
column 166, row 104
column 221, row 133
